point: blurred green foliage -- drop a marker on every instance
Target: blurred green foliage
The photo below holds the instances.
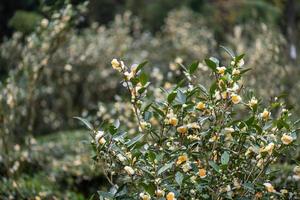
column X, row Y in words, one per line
column 152, row 13
column 65, row 170
column 24, row 21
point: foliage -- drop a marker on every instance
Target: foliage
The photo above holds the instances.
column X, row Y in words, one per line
column 25, row 21
column 59, row 167
column 210, row 143
column 19, row 100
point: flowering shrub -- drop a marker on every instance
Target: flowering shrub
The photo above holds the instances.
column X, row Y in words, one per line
column 20, row 99
column 195, row 143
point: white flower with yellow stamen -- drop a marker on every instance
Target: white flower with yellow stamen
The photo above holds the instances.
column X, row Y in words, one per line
column 186, row 167
column 145, row 196
column 235, row 98
column 224, row 94
column 193, row 125
column 181, row 159
column 221, row 70
column 253, row 102
column 182, row 129
column 171, row 196
column 160, row 193
column 286, row 139
column 99, row 138
column 269, row 148
column 128, row 75
column 202, row 173
column 235, row 72
column 269, row 187
column 265, row 114
column 116, row 64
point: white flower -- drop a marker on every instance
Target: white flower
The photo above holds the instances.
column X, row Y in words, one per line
column 229, row 130
column 217, row 95
column 186, row 167
column 241, row 63
column 269, row 148
column 236, row 98
column 234, row 88
column 235, row 72
column 145, row 196
column 44, row 22
column 121, row 157
column 286, row 139
column 99, row 138
column 129, row 170
column 221, row 70
column 160, row 193
column 265, row 114
column 252, row 102
column 178, row 60
column 269, row 187
column 116, row 64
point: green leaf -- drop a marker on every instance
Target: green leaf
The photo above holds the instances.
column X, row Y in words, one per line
column 211, row 64
column 214, row 166
column 225, row 158
column 193, row 67
column 245, row 70
column 112, row 129
column 86, row 122
column 158, row 111
column 179, row 178
column 172, row 96
column 149, row 187
column 151, row 156
column 144, row 79
column 240, row 57
column 147, row 115
column 228, row 50
column 181, row 97
column 250, row 121
column 249, row 186
column 134, row 140
column 141, row 65
column 203, row 89
column 213, row 88
column 117, row 123
column 165, row 168
column 281, row 123
column 105, row 195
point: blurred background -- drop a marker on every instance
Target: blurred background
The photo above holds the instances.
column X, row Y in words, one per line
column 55, row 64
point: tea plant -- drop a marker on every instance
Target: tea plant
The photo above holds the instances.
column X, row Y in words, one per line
column 196, row 143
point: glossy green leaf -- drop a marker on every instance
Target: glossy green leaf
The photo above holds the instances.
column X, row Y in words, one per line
column 141, row 65
column 228, row 50
column 85, row 122
column 214, row 166
column 179, row 178
column 165, row 168
column 172, row 96
column 193, row 67
column 225, row 158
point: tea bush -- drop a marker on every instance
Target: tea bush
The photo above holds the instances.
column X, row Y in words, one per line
column 196, row 143
column 19, row 98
